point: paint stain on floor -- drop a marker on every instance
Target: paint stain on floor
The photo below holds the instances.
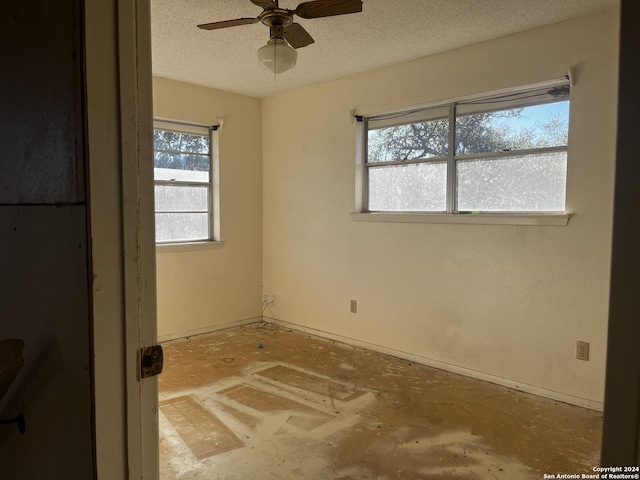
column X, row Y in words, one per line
column 304, row 407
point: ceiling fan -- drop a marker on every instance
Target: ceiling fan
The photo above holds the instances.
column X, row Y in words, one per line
column 278, row 55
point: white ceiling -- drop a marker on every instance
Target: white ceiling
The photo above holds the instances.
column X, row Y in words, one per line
column 385, row 33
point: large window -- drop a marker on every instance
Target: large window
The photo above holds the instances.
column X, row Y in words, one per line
column 504, row 153
column 184, row 182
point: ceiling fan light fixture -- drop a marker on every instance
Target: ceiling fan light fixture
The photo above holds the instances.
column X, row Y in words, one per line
column 277, row 56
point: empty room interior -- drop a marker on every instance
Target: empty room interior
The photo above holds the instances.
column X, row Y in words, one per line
column 391, row 261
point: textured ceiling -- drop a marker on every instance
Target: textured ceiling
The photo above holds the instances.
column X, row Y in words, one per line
column 385, row 33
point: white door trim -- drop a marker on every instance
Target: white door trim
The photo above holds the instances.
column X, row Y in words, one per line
column 136, row 136
column 120, row 199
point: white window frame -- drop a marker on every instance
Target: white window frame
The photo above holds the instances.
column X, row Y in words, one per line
column 451, row 215
column 214, row 238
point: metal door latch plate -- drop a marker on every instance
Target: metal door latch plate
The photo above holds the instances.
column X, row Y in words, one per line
column 151, row 361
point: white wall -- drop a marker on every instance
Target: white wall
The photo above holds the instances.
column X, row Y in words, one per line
column 506, row 303
column 204, row 290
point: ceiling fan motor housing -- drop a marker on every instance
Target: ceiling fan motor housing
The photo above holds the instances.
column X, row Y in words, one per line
column 276, row 17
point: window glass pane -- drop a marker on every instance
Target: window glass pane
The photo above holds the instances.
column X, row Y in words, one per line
column 418, row 187
column 182, row 227
column 164, row 140
column 177, row 198
column 524, row 183
column 513, row 129
column 181, row 175
column 173, row 166
column 195, row 143
column 427, row 139
column 180, row 142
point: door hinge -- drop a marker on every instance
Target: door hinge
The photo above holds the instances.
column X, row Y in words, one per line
column 151, row 361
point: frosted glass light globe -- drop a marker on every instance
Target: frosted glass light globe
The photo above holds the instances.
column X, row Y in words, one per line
column 277, row 56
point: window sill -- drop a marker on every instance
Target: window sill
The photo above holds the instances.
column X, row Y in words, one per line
column 532, row 219
column 188, row 246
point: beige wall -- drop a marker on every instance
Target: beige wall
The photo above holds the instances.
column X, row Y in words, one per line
column 203, row 290
column 506, row 303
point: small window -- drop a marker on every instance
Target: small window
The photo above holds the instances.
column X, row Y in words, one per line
column 503, row 153
column 183, row 175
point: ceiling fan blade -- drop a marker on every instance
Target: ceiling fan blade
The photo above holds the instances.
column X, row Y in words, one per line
column 264, row 3
column 297, row 36
column 228, row 23
column 328, row 8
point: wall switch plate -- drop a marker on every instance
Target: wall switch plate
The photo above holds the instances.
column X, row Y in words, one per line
column 354, row 306
column 582, row 350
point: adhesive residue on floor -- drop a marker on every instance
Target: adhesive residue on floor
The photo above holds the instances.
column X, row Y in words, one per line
column 309, row 408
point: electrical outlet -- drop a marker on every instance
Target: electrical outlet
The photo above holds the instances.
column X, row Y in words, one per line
column 582, row 350
column 354, row 306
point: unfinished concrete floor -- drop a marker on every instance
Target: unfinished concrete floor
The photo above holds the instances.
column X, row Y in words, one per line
column 304, row 407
